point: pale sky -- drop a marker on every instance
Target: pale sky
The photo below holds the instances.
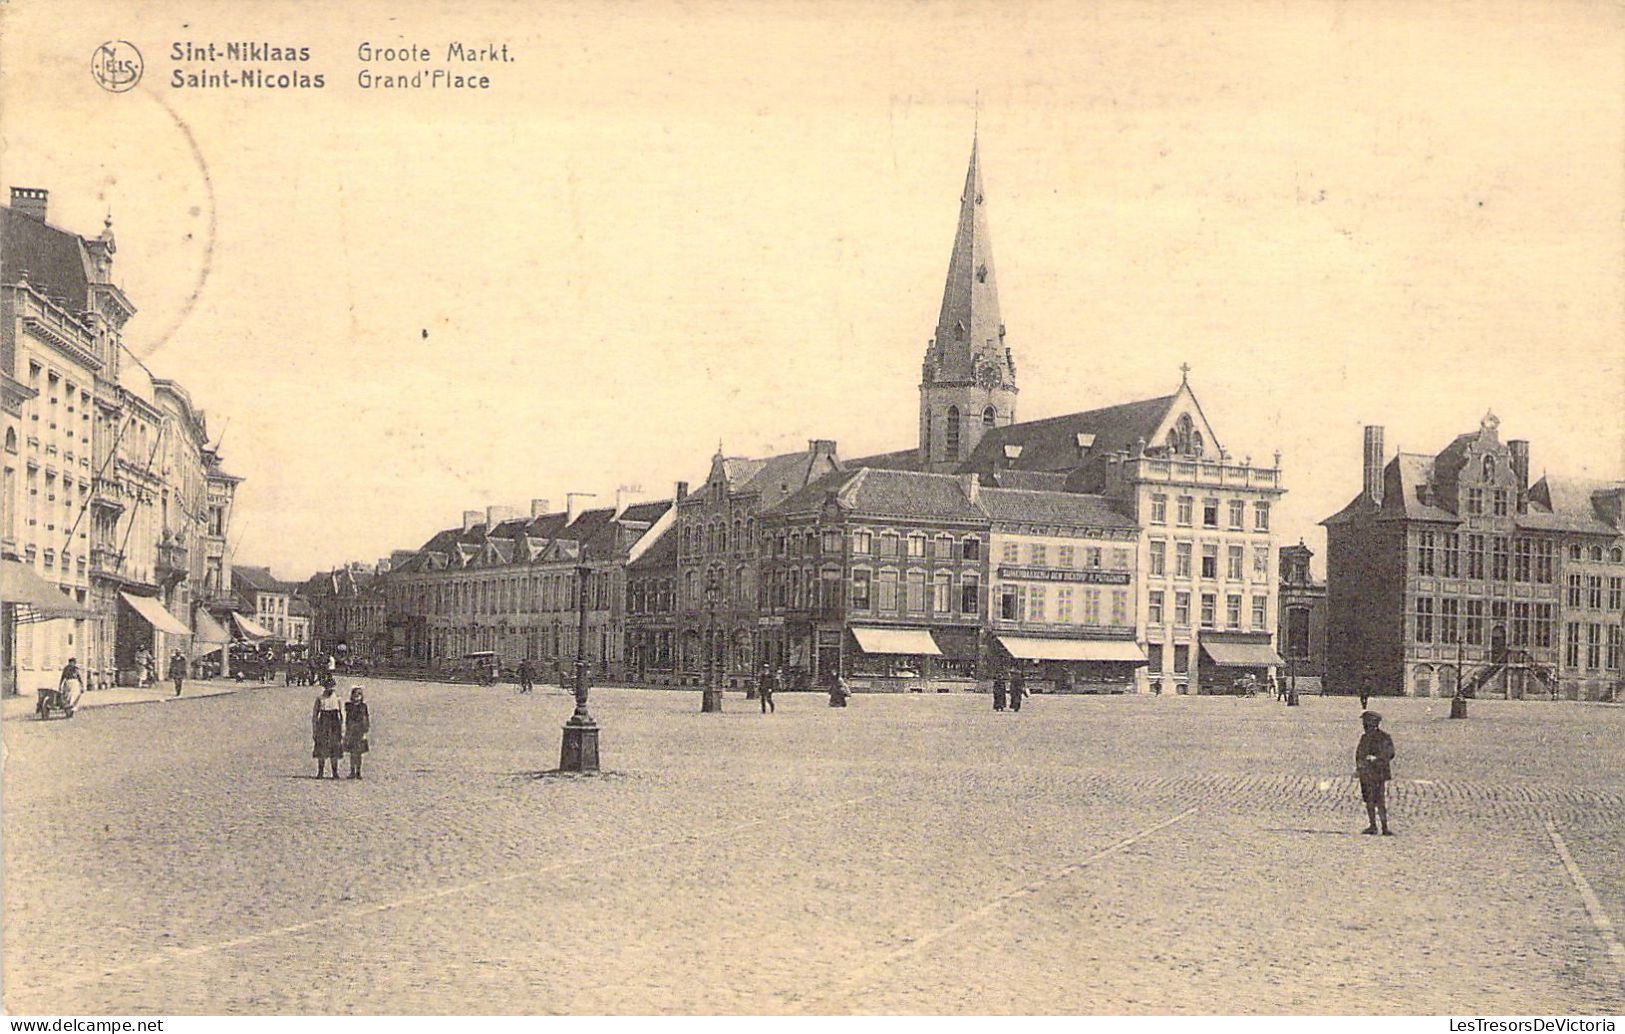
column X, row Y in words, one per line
column 667, row 225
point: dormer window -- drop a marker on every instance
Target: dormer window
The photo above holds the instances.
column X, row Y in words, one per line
column 981, row 274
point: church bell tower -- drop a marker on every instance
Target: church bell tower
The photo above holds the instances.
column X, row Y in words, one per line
column 968, row 380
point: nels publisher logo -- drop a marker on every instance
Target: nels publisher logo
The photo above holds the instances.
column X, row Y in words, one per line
column 116, row 66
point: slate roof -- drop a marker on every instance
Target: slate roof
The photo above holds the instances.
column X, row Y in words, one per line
column 662, row 553
column 1051, row 444
column 889, row 493
column 1073, row 509
column 594, row 535
column 1570, row 504
column 259, row 579
column 1402, row 478
column 778, row 477
column 55, row 260
column 1031, row 480
column 902, row 459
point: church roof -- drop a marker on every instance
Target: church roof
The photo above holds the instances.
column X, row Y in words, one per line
column 1053, row 444
column 902, row 459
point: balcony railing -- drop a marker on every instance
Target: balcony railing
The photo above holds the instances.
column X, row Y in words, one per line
column 105, row 561
column 1202, row 472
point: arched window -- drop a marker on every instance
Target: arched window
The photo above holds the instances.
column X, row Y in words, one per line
column 988, row 416
column 1618, row 554
column 1489, row 468
column 1596, row 554
column 951, row 437
column 11, row 439
column 1196, row 443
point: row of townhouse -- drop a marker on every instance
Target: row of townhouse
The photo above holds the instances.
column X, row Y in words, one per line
column 114, row 507
column 1115, row 548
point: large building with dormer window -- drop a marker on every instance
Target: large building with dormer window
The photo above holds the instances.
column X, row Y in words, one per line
column 1453, row 569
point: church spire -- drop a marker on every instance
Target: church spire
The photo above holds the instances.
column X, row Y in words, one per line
column 968, row 382
column 969, row 334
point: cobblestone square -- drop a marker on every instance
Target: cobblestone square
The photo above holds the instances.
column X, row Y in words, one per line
column 911, row 853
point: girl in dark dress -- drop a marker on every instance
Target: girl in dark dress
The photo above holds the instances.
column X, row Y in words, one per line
column 327, row 726
column 356, row 726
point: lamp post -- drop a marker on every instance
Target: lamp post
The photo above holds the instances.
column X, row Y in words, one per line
column 711, row 696
column 579, row 751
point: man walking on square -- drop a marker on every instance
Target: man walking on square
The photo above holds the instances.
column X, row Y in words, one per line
column 527, row 676
column 177, row 670
column 1018, row 689
column 764, row 691
column 1371, row 764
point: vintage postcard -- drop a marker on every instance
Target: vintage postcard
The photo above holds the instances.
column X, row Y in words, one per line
column 555, row 508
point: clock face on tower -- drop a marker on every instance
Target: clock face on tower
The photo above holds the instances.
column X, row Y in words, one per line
column 988, row 376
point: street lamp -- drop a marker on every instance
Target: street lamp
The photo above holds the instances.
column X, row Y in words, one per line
column 579, row 751
column 711, row 696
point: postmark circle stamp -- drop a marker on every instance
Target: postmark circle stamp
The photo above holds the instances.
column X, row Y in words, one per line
column 116, row 66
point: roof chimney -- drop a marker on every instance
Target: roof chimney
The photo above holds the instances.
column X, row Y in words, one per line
column 471, row 518
column 1373, row 463
column 538, row 507
column 821, row 447
column 572, row 509
column 971, row 484
column 1520, row 470
column 30, row 201
column 681, row 491
column 495, row 515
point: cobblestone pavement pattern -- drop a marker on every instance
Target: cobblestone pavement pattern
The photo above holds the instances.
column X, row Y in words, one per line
column 906, row 854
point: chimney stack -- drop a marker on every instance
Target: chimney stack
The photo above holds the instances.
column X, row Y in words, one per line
column 821, row 447
column 538, row 508
column 30, row 201
column 471, row 518
column 1520, row 470
column 972, row 486
column 1373, row 464
column 681, row 491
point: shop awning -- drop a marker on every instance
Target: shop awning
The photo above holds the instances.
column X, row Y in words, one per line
column 35, row 598
column 209, row 630
column 155, row 614
column 248, row 628
column 912, row 641
column 1243, row 655
column 1037, row 648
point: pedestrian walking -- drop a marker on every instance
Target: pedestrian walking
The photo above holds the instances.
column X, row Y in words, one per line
column 998, row 693
column 764, row 691
column 1018, row 689
column 1371, row 763
column 357, row 723
column 1365, row 696
column 527, row 676
column 839, row 691
column 177, row 670
column 327, row 728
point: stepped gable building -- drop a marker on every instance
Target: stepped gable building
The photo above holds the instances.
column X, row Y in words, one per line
column 111, row 496
column 347, row 612
column 718, row 556
column 879, row 574
column 1452, row 568
column 508, row 584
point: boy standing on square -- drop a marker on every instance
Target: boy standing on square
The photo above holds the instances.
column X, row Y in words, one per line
column 1371, row 764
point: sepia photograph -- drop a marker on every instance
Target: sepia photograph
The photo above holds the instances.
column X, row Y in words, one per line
column 554, row 509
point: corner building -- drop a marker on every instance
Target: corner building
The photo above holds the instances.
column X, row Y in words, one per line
column 1452, row 569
